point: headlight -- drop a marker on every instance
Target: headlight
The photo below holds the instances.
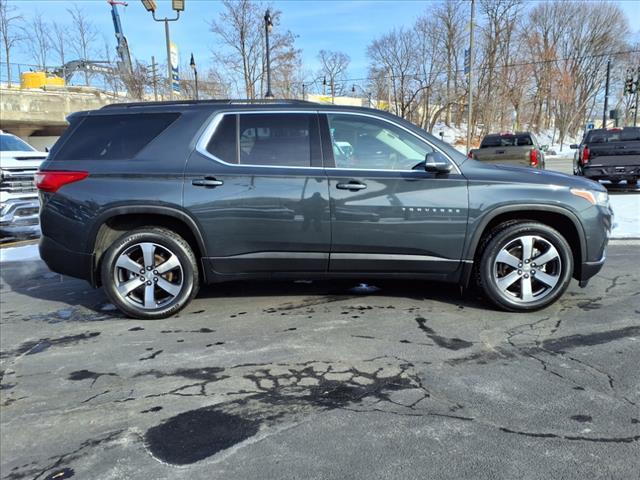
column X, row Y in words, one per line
column 592, row 196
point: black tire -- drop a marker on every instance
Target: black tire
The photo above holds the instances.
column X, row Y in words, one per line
column 491, row 271
column 183, row 279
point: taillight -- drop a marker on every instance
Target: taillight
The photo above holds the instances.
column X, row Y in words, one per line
column 51, row 181
column 533, row 158
column 584, row 158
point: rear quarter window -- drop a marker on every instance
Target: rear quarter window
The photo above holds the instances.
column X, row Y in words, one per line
column 114, row 137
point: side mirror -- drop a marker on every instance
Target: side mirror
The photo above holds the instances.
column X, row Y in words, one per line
column 573, row 146
column 435, row 162
column 544, row 148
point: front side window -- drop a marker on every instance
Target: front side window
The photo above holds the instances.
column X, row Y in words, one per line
column 277, row 140
column 373, row 144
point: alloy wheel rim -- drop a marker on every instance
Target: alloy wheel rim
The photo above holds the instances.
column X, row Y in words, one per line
column 148, row 275
column 527, row 269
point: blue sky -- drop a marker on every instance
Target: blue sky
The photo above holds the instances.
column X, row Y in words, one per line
column 348, row 26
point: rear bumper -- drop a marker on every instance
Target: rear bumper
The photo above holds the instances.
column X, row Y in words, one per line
column 622, row 172
column 19, row 217
column 67, row 262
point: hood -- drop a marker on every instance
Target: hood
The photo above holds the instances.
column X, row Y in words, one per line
column 21, row 159
column 509, row 173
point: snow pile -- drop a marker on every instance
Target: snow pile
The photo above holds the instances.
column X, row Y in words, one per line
column 19, row 254
column 626, row 211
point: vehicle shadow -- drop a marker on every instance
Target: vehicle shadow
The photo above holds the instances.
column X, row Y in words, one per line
column 33, row 279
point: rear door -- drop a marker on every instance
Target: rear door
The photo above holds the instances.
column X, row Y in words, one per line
column 388, row 216
column 256, row 186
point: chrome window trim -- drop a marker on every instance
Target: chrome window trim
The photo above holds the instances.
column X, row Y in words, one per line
column 205, row 137
column 377, row 117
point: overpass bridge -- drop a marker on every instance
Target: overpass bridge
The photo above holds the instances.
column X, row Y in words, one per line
column 38, row 116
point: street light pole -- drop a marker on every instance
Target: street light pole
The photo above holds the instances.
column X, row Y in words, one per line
column 169, row 68
column 195, row 73
column 178, row 6
column 268, row 25
column 606, row 96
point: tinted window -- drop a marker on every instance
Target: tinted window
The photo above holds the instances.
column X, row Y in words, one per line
column 615, row 135
column 223, row 142
column 369, row 143
column 112, row 137
column 507, row 141
column 10, row 143
column 276, row 139
column 280, row 140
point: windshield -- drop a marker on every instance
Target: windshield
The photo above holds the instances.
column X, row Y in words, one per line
column 10, row 143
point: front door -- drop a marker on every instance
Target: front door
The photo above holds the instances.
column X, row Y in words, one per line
column 388, row 214
column 260, row 195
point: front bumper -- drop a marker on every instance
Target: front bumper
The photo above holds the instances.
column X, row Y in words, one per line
column 67, row 262
column 590, row 269
column 19, row 217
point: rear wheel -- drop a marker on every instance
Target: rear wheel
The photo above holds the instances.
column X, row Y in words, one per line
column 525, row 267
column 150, row 273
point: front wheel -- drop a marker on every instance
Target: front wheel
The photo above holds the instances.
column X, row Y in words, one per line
column 150, row 273
column 525, row 267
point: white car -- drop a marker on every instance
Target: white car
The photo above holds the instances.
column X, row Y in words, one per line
column 19, row 205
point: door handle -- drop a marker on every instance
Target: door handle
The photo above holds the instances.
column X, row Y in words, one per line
column 351, row 186
column 207, row 182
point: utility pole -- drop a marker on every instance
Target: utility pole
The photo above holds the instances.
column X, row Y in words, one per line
column 389, row 90
column 333, row 91
column 154, row 78
column 470, row 86
column 635, row 112
column 303, row 93
column 606, row 95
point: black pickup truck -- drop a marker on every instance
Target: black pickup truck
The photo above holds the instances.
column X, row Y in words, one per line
column 609, row 154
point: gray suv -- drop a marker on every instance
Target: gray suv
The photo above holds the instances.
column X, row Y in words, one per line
column 149, row 200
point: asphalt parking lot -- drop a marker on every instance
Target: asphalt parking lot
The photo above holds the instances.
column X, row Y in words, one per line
column 320, row 381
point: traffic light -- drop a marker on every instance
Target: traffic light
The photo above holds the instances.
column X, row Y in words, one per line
column 628, row 86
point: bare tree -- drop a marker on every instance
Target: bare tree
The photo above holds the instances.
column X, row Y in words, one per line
column 451, row 15
column 9, row 32
column 240, row 31
column 395, row 56
column 38, row 43
column 59, row 38
column 83, row 36
column 333, row 68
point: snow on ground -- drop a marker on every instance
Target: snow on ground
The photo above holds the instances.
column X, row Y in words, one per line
column 19, row 254
column 626, row 211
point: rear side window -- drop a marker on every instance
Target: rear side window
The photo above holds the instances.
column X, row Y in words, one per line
column 114, row 137
column 278, row 140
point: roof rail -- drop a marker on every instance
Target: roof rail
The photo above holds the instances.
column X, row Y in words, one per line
column 208, row 102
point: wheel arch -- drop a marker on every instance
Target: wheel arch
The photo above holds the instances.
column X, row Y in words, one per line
column 116, row 221
column 559, row 218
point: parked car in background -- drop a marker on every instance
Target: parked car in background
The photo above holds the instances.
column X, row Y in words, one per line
column 148, row 200
column 520, row 148
column 609, row 154
column 19, row 203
